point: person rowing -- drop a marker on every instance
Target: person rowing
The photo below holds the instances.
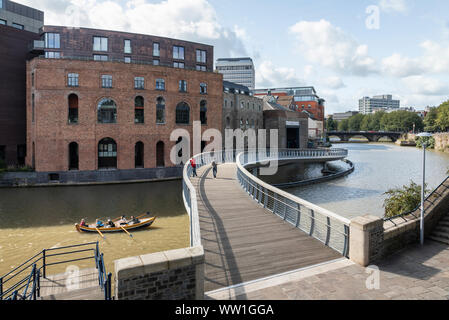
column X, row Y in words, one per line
column 134, row 220
column 122, row 221
column 110, row 224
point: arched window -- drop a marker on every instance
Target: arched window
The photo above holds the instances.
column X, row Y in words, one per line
column 160, row 110
column 139, row 109
column 138, row 155
column 182, row 113
column 252, row 123
column 203, row 112
column 107, row 111
column 107, row 154
column 160, row 162
column 73, row 108
column 241, row 124
column 73, row 156
column 228, row 123
column 247, row 124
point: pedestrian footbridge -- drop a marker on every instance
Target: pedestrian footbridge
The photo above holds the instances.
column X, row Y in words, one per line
column 250, row 229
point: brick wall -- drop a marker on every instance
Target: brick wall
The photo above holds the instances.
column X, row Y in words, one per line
column 51, row 133
column 169, row 275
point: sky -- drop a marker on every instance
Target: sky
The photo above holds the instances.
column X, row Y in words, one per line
column 346, row 49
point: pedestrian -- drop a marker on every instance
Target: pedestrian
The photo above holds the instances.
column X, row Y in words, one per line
column 214, row 169
column 193, row 165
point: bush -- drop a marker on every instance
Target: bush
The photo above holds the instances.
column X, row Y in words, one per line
column 402, row 200
column 430, row 142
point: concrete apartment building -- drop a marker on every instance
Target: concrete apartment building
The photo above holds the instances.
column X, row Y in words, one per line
column 382, row 102
column 305, row 98
column 91, row 108
column 237, row 70
column 343, row 115
column 20, row 17
column 19, row 26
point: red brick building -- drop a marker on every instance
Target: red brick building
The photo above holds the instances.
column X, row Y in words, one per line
column 305, row 98
column 89, row 115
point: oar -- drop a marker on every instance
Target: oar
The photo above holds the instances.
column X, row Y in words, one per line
column 99, row 233
column 129, row 234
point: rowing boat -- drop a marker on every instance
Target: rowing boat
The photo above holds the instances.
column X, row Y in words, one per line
column 146, row 222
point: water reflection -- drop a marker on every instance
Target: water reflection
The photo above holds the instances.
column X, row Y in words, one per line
column 378, row 167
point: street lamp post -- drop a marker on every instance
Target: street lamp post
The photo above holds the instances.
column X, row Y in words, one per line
column 424, row 145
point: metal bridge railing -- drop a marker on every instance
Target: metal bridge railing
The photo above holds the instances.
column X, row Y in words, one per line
column 28, row 287
column 326, row 226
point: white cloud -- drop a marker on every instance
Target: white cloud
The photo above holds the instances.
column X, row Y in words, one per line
column 331, row 47
column 192, row 20
column 422, row 85
column 268, row 75
column 334, row 82
column 393, row 6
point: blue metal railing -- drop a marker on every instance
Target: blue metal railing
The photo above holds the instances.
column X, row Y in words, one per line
column 28, row 287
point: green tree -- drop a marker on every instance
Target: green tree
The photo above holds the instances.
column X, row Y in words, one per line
column 442, row 120
column 331, row 125
column 367, row 122
column 430, row 142
column 355, row 121
column 430, row 121
column 401, row 121
column 343, row 125
column 402, row 200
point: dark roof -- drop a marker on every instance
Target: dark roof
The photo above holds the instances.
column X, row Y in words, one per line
column 232, row 85
column 234, row 59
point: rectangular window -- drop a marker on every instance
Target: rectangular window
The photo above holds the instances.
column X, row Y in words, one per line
column 100, row 57
column 203, row 88
column 72, row 79
column 178, row 65
column 3, row 22
column 139, row 83
column 127, row 59
column 200, row 68
column 52, row 55
column 201, row 56
column 17, row 26
column 155, row 62
column 32, row 77
column 178, row 52
column 160, row 84
column 106, row 81
column 156, row 52
column 52, row 41
column 127, row 48
column 182, row 86
column 100, row 44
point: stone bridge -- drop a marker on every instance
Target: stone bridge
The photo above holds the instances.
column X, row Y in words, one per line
column 372, row 136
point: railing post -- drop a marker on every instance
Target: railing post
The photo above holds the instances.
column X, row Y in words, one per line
column 1, row 288
column 265, row 201
column 38, row 283
column 328, row 236
column 298, row 215
column 44, row 263
column 34, row 283
column 312, row 222
column 346, row 245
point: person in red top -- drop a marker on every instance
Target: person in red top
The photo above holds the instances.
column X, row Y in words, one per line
column 193, row 165
column 83, row 223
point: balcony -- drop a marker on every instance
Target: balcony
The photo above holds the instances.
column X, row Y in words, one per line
column 37, row 47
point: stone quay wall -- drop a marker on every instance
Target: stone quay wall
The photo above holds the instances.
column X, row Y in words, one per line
column 442, row 142
column 168, row 275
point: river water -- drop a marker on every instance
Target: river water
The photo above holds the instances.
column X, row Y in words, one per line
column 378, row 167
column 32, row 219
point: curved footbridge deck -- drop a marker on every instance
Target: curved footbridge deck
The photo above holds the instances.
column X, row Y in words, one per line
column 249, row 232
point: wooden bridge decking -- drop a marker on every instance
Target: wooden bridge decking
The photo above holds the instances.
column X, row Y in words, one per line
column 242, row 240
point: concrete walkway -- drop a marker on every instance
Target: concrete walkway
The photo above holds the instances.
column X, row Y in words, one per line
column 417, row 273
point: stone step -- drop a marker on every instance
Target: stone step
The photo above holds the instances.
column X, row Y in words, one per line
column 444, row 223
column 441, row 228
column 440, row 234
column 81, row 294
column 443, row 240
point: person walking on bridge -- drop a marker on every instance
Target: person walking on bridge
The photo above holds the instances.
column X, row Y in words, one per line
column 193, row 165
column 214, row 169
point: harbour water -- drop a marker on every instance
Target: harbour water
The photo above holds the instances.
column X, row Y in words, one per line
column 32, row 219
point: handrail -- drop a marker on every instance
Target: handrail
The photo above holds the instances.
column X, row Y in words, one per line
column 38, row 262
column 255, row 186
